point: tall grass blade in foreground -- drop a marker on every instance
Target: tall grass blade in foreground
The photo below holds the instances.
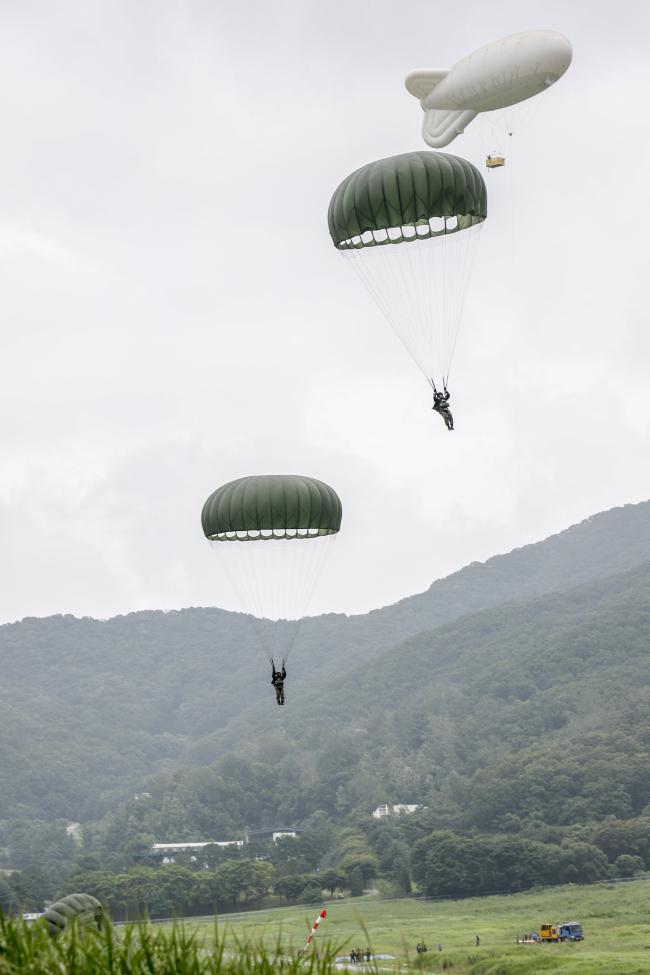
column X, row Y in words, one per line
column 140, row 949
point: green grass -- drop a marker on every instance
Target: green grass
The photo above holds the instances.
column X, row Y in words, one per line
column 615, row 918
column 140, row 949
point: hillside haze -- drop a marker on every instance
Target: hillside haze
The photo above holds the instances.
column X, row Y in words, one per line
column 543, row 645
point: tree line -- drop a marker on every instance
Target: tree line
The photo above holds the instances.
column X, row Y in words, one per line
column 397, row 855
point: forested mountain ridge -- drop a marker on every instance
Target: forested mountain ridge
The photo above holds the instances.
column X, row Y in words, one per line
column 91, row 708
column 602, row 545
column 536, row 707
column 523, row 730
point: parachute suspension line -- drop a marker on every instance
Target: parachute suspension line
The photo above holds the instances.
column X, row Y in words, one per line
column 419, row 286
column 247, row 576
column 303, row 572
column 378, row 277
column 448, row 329
column 274, row 582
column 385, row 271
column 428, row 314
column 470, row 239
column 242, row 578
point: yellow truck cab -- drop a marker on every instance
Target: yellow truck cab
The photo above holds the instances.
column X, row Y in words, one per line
column 567, row 931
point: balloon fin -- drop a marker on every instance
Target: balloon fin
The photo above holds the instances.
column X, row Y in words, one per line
column 421, row 83
column 441, row 125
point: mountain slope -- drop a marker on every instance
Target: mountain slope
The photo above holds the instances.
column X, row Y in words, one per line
column 534, row 709
column 90, row 708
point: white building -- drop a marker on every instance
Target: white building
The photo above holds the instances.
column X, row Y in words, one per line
column 167, row 850
column 394, row 810
column 179, row 847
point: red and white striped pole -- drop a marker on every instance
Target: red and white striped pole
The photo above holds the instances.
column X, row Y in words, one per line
column 323, row 914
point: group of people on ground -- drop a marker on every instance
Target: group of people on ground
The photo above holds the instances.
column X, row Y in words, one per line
column 357, row 955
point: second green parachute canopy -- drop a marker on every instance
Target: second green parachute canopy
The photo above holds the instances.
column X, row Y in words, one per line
column 289, row 523
column 271, row 506
column 409, row 224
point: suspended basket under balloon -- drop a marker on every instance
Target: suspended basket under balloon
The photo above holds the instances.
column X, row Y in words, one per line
column 495, row 162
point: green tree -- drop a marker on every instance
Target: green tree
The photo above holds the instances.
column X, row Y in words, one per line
column 628, row 866
column 290, row 886
column 244, row 880
column 8, row 901
column 355, row 882
column 332, row 879
column 311, row 893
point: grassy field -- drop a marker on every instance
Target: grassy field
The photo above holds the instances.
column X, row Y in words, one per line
column 615, row 918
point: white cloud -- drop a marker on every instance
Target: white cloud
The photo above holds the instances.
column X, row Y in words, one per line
column 174, row 315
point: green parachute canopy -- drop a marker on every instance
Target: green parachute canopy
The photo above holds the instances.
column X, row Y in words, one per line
column 273, row 582
column 407, row 197
column 432, row 206
column 83, row 908
column 271, row 506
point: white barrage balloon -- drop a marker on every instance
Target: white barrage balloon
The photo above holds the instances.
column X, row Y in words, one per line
column 500, row 74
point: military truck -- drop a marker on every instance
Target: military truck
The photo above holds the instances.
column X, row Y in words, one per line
column 567, row 931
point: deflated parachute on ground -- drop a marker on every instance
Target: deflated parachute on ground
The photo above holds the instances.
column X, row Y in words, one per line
column 84, row 908
column 429, row 206
column 274, row 580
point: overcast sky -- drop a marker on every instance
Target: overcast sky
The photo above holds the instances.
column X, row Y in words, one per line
column 173, row 314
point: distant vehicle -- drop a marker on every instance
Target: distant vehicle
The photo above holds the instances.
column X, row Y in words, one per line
column 568, row 931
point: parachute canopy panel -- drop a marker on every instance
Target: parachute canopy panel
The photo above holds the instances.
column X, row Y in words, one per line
column 79, row 907
column 407, row 197
column 271, row 506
